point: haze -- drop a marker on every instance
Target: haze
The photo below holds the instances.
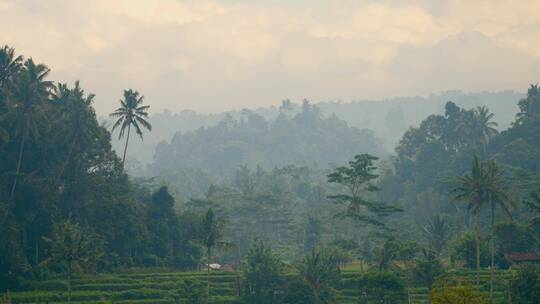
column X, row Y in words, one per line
column 212, row 56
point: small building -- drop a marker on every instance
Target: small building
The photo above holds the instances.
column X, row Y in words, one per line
column 526, row 258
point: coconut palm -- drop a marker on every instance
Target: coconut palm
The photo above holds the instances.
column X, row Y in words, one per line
column 26, row 97
column 498, row 196
column 471, row 188
column 78, row 118
column 210, row 237
column 10, row 64
column 483, row 186
column 131, row 113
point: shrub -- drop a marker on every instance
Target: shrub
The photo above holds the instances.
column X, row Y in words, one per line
column 381, row 287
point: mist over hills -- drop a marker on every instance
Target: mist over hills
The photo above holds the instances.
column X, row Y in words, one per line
column 388, row 119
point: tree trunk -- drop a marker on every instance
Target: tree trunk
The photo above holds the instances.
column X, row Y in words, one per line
column 477, row 228
column 69, row 283
column 19, row 161
column 70, row 152
column 125, row 148
column 492, row 249
column 208, row 275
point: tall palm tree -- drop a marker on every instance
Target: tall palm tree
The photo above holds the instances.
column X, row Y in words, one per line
column 78, row 118
column 484, row 127
column 26, row 96
column 484, row 185
column 210, row 237
column 10, row 64
column 131, row 113
column 471, row 188
column 498, row 196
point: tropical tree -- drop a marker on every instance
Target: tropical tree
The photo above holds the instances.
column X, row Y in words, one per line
column 436, row 233
column 262, row 272
column 78, row 119
column 10, row 65
column 74, row 249
column 471, row 188
column 131, row 113
column 210, row 237
column 483, row 186
column 498, row 196
column 320, row 270
column 358, row 178
column 26, row 97
column 428, row 269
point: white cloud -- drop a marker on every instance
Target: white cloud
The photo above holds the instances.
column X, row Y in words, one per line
column 216, row 55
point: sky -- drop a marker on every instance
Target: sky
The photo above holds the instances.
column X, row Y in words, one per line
column 211, row 56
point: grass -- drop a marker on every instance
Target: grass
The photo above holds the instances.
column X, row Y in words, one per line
column 158, row 286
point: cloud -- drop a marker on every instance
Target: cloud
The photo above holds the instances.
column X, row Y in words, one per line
column 217, row 55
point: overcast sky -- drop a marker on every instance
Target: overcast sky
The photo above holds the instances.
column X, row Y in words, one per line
column 218, row 55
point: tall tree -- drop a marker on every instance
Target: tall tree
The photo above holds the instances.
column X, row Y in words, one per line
column 10, row 64
column 131, row 113
column 498, row 196
column 78, row 119
column 471, row 188
column 358, row 178
column 483, row 187
column 211, row 235
column 26, row 96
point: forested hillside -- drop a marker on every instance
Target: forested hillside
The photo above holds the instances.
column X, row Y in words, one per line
column 388, row 119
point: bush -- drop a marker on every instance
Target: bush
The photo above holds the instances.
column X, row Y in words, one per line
column 381, row 287
column 525, row 286
column 457, row 295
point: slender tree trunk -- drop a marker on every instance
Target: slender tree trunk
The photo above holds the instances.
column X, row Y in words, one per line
column 68, row 157
column 492, row 249
column 208, row 275
column 19, row 161
column 125, row 148
column 69, row 283
column 477, row 228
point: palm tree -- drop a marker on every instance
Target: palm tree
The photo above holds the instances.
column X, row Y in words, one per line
column 211, row 235
column 483, row 126
column 498, row 196
column 79, row 115
column 436, row 232
column 483, row 186
column 26, row 97
column 131, row 113
column 471, row 188
column 10, row 65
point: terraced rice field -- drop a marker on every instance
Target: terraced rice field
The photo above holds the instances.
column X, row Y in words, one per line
column 158, row 287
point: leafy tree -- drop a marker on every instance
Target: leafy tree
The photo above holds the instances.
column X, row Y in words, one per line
column 262, row 272
column 320, row 270
column 27, row 96
column 74, row 249
column 483, row 186
column 131, row 113
column 359, row 178
column 312, row 233
column 464, row 248
column 381, row 287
